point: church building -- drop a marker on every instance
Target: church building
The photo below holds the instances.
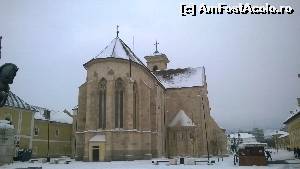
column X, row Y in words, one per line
column 128, row 110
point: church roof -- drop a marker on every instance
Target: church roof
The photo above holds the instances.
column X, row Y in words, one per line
column 181, row 119
column 178, row 78
column 16, row 102
column 118, row 49
column 294, row 114
column 242, row 135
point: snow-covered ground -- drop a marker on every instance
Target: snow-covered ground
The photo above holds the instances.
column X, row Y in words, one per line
column 147, row 164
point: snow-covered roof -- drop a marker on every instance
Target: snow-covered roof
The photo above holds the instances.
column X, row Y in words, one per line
column 181, row 119
column 55, row 116
column 178, row 78
column 293, row 114
column 276, row 132
column 283, row 135
column 98, row 137
column 16, row 102
column 252, row 144
column 118, row 49
column 5, row 124
column 242, row 135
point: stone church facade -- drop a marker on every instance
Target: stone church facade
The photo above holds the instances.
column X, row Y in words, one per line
column 128, row 110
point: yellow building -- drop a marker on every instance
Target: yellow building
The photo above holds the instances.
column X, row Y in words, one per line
column 21, row 114
column 32, row 128
column 293, row 124
column 60, row 134
column 283, row 141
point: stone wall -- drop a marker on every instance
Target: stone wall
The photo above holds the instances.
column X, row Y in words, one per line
column 217, row 138
column 193, row 101
column 7, row 146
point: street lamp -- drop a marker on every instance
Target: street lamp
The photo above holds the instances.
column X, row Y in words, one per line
column 276, row 141
column 47, row 116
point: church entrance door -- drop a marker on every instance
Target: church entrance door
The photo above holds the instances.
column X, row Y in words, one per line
column 95, row 153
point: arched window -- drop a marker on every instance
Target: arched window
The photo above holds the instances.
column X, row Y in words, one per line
column 102, row 104
column 119, row 93
column 135, row 107
column 154, row 68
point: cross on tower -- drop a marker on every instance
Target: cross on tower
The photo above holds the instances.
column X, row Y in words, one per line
column 156, row 51
column 117, row 30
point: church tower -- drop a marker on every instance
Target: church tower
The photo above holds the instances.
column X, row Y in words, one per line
column 157, row 61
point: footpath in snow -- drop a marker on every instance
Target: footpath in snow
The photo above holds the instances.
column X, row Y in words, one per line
column 147, row 164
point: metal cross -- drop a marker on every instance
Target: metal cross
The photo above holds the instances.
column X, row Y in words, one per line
column 156, row 51
column 117, row 30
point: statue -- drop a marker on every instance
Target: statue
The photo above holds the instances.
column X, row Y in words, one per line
column 8, row 71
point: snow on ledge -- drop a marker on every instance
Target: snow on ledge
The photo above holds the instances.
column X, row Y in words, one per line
column 4, row 124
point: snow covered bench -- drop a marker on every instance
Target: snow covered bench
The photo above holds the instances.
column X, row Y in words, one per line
column 156, row 162
column 33, row 160
column 67, row 161
column 201, row 161
column 59, row 160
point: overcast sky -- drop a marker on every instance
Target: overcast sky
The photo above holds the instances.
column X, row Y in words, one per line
column 251, row 61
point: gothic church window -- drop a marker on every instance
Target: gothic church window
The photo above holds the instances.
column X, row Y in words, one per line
column 119, row 94
column 102, row 104
column 135, row 107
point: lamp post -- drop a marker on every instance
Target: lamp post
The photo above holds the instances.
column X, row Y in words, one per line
column 276, row 137
column 47, row 116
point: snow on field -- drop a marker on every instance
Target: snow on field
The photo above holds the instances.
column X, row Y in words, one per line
column 147, row 164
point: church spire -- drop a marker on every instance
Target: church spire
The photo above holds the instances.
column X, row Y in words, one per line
column 157, row 61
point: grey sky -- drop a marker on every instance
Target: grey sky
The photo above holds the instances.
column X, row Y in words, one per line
column 251, row 62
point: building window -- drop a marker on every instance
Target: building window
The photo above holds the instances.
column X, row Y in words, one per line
column 36, row 131
column 154, row 68
column 102, row 104
column 135, row 107
column 119, row 92
column 56, row 132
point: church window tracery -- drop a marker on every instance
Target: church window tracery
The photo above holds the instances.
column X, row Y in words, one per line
column 135, row 107
column 102, row 104
column 119, row 93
